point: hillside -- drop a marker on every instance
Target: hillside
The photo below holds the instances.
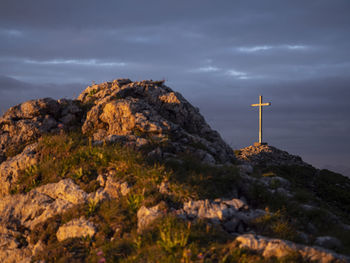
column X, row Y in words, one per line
column 131, row 172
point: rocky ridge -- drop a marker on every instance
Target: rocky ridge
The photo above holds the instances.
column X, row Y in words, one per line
column 149, row 117
column 266, row 155
column 123, row 110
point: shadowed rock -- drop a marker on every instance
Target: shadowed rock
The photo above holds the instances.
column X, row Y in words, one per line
column 279, row 248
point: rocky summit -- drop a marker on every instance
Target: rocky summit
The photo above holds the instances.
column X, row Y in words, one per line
column 131, row 172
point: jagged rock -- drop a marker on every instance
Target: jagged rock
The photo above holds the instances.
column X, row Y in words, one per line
column 109, row 189
column 328, row 242
column 279, row 248
column 11, row 250
column 145, row 216
column 265, row 155
column 214, row 210
column 98, row 196
column 25, row 211
column 114, row 189
column 40, row 204
column 26, row 122
column 234, row 215
column 9, row 170
column 151, row 111
column 66, row 190
column 148, row 116
column 76, row 228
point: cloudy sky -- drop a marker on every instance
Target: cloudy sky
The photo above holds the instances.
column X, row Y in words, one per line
column 219, row 54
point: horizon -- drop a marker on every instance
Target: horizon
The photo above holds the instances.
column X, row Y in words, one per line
column 220, row 57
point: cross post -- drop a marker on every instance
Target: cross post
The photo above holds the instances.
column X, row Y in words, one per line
column 260, row 105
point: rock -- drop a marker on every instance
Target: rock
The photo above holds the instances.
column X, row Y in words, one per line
column 276, row 181
column 265, row 155
column 12, row 251
column 233, row 214
column 232, row 225
column 238, row 204
column 245, row 168
column 145, row 216
column 40, row 204
column 9, row 170
column 25, row 211
column 75, row 229
column 102, row 179
column 98, row 196
column 328, row 242
column 164, row 187
column 279, row 248
column 26, row 122
column 149, row 110
column 38, row 247
column 66, row 190
column 115, row 189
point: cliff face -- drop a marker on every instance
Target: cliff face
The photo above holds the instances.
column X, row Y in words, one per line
column 130, row 171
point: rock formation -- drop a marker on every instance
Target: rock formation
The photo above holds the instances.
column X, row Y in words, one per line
column 266, row 155
column 142, row 112
column 26, row 122
column 109, row 210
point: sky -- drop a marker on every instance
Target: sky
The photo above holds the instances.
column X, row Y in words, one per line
column 221, row 55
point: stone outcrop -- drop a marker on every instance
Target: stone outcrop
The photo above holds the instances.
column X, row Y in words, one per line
column 147, row 116
column 26, row 122
column 234, row 215
column 75, row 229
column 265, row 155
column 11, row 249
column 146, row 216
column 270, row 247
column 9, row 170
column 127, row 111
column 22, row 212
column 41, row 203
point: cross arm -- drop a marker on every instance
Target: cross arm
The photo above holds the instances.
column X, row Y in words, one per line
column 262, row 104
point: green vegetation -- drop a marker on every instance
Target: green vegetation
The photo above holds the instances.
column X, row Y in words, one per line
column 92, row 92
column 277, row 225
column 169, row 239
column 325, row 191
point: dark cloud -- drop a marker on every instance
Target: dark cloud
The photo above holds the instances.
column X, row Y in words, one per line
column 220, row 55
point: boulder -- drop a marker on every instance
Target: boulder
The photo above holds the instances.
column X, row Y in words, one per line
column 76, row 228
column 270, row 247
column 40, row 204
column 65, row 190
column 145, row 216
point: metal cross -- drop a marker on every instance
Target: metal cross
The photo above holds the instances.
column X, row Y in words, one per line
column 260, row 105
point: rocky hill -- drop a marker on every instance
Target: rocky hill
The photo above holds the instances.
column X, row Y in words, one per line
column 131, row 172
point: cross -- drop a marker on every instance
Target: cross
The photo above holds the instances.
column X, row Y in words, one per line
column 260, row 105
